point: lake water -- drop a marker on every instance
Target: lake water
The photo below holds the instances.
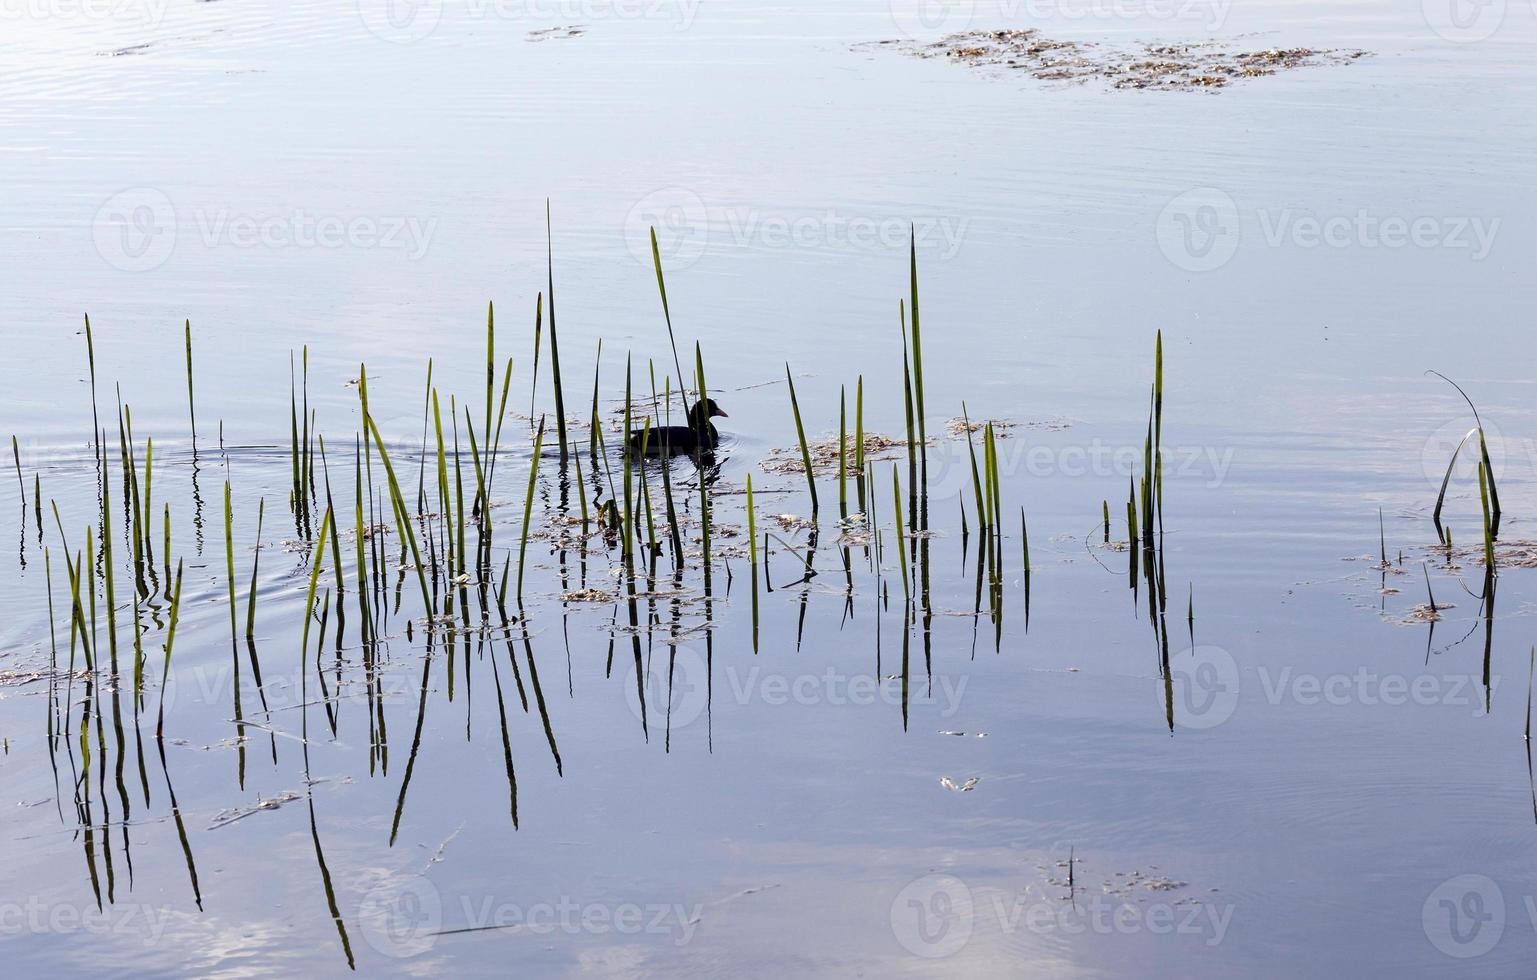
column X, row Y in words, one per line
column 1341, row 789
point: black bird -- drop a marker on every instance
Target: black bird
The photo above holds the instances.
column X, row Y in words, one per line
column 699, row 435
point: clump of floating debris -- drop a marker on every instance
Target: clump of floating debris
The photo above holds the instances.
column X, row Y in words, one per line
column 1205, row 65
column 824, row 454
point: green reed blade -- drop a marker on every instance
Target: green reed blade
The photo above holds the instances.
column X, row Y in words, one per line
column 106, row 557
column 917, row 338
column 595, row 428
column 1446, row 480
column 421, row 471
column 528, row 504
column 843, row 454
column 458, row 488
column 704, row 484
column 250, row 608
column 628, row 514
column 229, row 561
column 293, row 438
column 560, row 402
column 357, row 517
column 1024, row 539
column 661, row 285
column 191, row 404
column 307, row 471
column 16, row 456
column 533, row 391
column 402, row 516
column 901, row 535
column 976, row 476
column 317, row 560
column 800, row 434
column 490, row 362
column 1483, row 496
column 752, row 526
column 859, row 425
column 170, row 641
column 444, row 506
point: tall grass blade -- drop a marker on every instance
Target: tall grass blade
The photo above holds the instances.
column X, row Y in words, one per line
column 800, row 434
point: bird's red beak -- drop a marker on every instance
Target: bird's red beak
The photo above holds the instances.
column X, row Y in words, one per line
column 720, row 413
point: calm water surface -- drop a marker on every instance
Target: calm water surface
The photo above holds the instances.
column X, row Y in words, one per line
column 1339, row 790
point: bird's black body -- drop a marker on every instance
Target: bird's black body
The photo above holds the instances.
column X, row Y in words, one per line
column 698, row 436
